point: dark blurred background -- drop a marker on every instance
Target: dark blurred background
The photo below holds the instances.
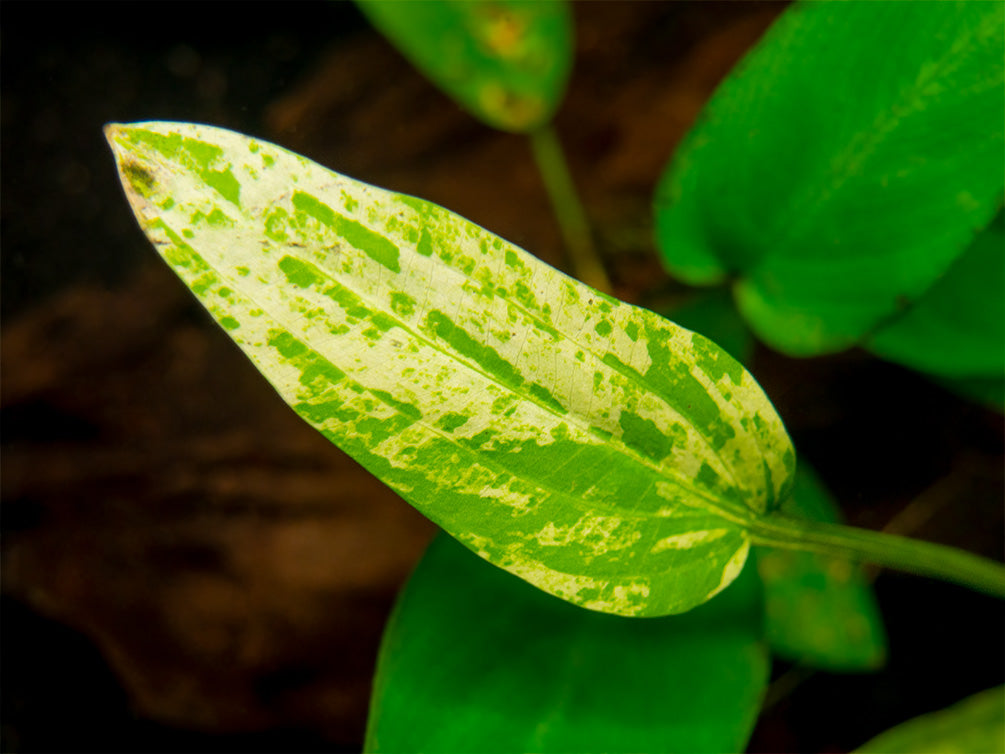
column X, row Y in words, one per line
column 187, row 566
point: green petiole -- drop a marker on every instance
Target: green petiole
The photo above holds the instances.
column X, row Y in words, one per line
column 887, row 550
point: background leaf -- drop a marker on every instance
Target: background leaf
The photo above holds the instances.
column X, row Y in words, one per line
column 474, row 660
column 957, row 329
column 819, row 610
column 974, row 726
column 592, row 448
column 837, row 179
column 505, row 61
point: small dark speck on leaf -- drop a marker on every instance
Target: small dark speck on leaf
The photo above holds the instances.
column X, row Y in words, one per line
column 139, row 178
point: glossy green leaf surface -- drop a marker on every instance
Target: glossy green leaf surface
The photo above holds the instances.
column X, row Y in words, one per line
column 957, row 329
column 505, row 61
column 838, row 180
column 819, row 610
column 974, row 726
column 474, row 660
column 592, row 448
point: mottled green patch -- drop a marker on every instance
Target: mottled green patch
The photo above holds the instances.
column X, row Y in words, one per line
column 320, row 412
column 485, row 356
column 503, row 403
column 349, row 202
column 166, row 144
column 544, row 395
column 351, row 303
column 603, row 328
column 450, row 422
column 216, row 218
column 316, row 209
column 300, row 273
column 374, row 245
column 188, row 233
column 316, row 372
column 419, row 205
column 242, row 271
column 709, row 479
column 524, row 295
column 644, row 436
column 632, row 331
column 229, row 322
column 425, row 244
column 714, row 361
column 204, row 154
column 276, row 223
column 607, row 302
column 288, row 346
column 268, row 160
column 225, row 183
column 204, row 283
column 408, row 409
column 382, row 321
column 180, row 255
column 670, row 376
column 167, row 204
column 402, row 304
column 560, row 432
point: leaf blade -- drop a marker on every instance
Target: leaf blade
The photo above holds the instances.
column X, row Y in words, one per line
column 505, row 62
column 571, row 680
column 592, row 448
column 837, row 180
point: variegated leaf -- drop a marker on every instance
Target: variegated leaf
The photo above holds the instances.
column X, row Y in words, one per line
column 592, row 448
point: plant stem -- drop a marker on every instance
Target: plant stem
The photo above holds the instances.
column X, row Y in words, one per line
column 572, row 220
column 888, row 550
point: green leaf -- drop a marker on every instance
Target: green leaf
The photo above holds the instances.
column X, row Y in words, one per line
column 819, row 610
column 475, row 660
column 974, row 726
column 505, row 61
column 836, row 179
column 592, row 448
column 957, row 329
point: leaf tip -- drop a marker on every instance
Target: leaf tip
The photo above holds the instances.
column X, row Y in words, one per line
column 137, row 179
column 114, row 133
